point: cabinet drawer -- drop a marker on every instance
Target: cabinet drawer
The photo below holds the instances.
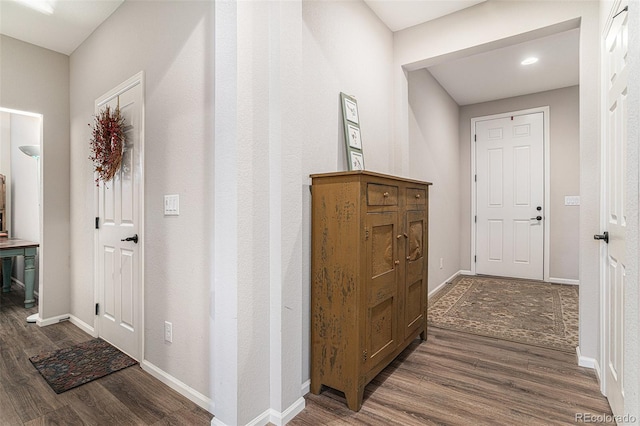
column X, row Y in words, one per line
column 382, row 195
column 416, row 197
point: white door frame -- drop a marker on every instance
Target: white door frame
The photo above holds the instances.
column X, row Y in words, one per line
column 121, row 88
column 547, row 181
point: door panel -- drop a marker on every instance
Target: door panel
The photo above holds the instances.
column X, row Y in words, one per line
column 509, row 189
column 614, row 186
column 415, row 282
column 382, row 292
column 119, row 287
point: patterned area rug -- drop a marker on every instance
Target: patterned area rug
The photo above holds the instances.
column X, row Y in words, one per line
column 68, row 368
column 531, row 312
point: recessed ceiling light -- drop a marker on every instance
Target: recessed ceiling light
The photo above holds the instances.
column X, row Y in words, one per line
column 529, row 61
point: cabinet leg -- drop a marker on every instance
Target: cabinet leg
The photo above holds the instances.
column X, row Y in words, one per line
column 315, row 387
column 423, row 334
column 354, row 398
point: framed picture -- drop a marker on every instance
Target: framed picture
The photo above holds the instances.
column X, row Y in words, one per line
column 353, row 135
column 350, row 108
column 356, row 160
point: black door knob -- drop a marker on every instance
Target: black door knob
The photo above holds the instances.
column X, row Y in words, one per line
column 604, row 237
column 134, row 239
column 539, row 208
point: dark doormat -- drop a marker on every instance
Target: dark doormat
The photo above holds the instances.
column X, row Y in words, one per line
column 68, row 368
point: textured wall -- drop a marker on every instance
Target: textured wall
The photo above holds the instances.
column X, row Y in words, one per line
column 172, row 43
column 433, row 143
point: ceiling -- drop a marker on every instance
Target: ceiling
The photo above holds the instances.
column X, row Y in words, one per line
column 401, row 14
column 478, row 78
column 59, row 25
column 498, row 74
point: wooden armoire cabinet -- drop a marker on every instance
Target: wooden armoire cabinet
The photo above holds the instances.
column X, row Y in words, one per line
column 369, row 239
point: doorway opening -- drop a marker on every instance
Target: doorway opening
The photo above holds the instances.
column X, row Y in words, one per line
column 21, row 140
column 510, row 189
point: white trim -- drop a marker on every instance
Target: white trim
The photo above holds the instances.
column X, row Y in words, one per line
column 445, row 282
column 274, row 417
column 137, row 79
column 305, row 388
column 563, row 281
column 547, row 181
column 287, row 415
column 587, row 362
column 53, row 320
column 465, row 272
column 180, row 387
column 83, row 325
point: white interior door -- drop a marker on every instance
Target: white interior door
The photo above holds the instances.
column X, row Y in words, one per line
column 118, row 261
column 510, row 196
column 614, row 191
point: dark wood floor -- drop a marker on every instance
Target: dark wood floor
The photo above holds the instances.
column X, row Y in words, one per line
column 461, row 379
column 127, row 397
column 452, row 379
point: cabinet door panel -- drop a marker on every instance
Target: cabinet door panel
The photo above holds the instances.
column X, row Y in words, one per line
column 415, row 281
column 381, row 286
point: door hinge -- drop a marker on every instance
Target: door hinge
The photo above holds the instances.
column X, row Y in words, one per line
column 475, row 219
column 97, row 223
column 475, row 138
column 475, row 178
column 364, row 356
column 97, row 309
column 366, row 233
column 475, row 259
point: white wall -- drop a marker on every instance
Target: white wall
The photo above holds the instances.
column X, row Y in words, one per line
column 25, row 188
column 172, row 42
column 346, row 48
column 433, row 143
column 564, row 135
column 36, row 80
column 493, row 24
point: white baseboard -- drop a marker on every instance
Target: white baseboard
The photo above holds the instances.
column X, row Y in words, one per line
column 281, row 419
column 262, row 420
column 83, row 326
column 274, row 417
column 306, row 387
column 448, row 280
column 175, row 384
column 564, row 281
column 465, row 272
column 53, row 320
column 584, row 361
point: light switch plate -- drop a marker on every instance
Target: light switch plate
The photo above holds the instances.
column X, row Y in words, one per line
column 172, row 205
column 572, row 200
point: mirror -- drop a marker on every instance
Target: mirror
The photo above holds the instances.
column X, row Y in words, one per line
column 20, row 141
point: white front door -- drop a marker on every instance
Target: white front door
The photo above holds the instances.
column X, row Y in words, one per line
column 119, row 204
column 614, row 191
column 509, row 196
